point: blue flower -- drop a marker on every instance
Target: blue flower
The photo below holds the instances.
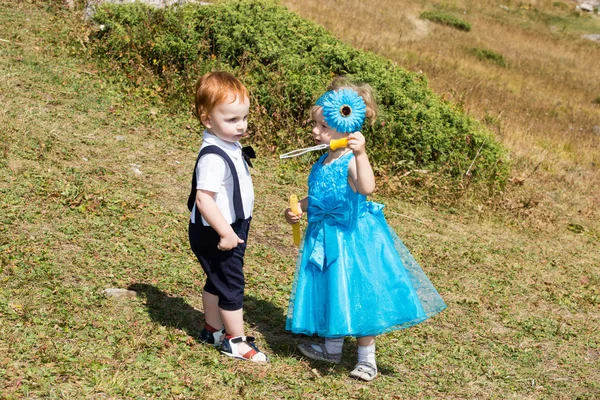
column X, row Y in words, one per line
column 344, row 110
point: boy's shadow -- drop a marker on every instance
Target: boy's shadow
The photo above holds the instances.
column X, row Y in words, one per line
column 269, row 320
column 170, row 311
column 175, row 312
column 261, row 315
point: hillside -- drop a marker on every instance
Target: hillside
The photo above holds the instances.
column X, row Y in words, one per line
column 94, row 175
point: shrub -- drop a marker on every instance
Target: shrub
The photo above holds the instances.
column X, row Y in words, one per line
column 488, row 55
column 286, row 62
column 445, row 19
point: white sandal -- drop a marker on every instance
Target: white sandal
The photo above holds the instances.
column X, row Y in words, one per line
column 230, row 347
column 365, row 371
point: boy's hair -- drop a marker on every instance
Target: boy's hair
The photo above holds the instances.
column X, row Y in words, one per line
column 364, row 90
column 214, row 88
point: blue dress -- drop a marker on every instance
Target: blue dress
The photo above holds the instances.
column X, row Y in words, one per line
column 354, row 276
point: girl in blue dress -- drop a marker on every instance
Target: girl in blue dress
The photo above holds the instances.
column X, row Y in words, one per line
column 354, row 276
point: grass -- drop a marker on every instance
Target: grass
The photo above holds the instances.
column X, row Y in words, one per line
column 544, row 101
column 445, row 19
column 93, row 183
column 487, row 55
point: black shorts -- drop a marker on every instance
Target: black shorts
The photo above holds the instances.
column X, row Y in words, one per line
column 224, row 269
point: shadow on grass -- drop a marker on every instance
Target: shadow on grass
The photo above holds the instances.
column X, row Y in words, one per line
column 175, row 312
column 261, row 315
column 170, row 311
column 269, row 320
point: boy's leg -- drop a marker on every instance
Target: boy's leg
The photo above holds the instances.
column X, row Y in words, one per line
column 234, row 326
column 211, row 310
column 213, row 332
column 236, row 344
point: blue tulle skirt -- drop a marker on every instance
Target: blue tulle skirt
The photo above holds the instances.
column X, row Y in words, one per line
column 373, row 286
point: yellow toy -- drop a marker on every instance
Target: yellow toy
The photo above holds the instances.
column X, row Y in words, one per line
column 334, row 145
column 295, row 207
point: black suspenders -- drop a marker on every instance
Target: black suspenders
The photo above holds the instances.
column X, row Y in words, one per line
column 238, row 206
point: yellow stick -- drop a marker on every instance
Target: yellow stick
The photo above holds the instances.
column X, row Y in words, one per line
column 338, row 143
column 295, row 207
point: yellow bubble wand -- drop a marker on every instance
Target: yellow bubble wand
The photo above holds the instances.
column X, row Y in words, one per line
column 333, row 145
column 295, row 207
column 294, row 204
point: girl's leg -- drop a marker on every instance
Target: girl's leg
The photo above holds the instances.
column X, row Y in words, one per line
column 366, row 369
column 366, row 349
column 366, row 340
column 334, row 345
column 330, row 351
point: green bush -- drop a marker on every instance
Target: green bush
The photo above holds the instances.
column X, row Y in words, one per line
column 286, row 62
column 445, row 19
column 488, row 55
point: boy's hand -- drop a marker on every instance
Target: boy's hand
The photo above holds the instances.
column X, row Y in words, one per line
column 228, row 242
column 292, row 218
column 356, row 142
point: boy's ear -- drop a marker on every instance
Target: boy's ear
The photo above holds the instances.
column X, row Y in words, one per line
column 205, row 119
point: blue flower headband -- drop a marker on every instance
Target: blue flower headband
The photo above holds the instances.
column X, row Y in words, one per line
column 344, row 110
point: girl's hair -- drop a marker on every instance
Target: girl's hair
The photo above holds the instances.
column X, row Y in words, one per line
column 364, row 90
column 214, row 88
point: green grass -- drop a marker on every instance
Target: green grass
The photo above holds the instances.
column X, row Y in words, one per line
column 487, row 55
column 446, row 19
column 521, row 286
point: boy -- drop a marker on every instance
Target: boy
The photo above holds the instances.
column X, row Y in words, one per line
column 221, row 203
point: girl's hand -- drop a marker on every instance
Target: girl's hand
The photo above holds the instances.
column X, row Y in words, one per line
column 356, row 142
column 230, row 241
column 292, row 218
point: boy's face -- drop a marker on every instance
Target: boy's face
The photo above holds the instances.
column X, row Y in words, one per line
column 228, row 120
column 321, row 132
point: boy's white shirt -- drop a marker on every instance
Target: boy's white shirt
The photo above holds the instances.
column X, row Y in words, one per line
column 213, row 174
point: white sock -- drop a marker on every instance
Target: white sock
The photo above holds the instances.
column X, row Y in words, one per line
column 367, row 354
column 332, row 345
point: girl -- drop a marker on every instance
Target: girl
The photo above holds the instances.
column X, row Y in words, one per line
column 354, row 276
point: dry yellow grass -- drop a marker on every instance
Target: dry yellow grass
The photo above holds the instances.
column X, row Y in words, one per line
column 541, row 105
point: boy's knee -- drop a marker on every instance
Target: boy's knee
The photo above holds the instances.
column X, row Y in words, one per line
column 231, row 304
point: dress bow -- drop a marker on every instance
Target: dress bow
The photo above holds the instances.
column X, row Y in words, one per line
column 325, row 245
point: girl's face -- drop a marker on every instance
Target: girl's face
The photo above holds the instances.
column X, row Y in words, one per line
column 228, row 120
column 321, row 132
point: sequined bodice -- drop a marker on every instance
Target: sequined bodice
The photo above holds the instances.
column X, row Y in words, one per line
column 329, row 184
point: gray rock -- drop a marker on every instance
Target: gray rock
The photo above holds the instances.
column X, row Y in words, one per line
column 594, row 36
column 115, row 292
column 586, row 7
column 92, row 4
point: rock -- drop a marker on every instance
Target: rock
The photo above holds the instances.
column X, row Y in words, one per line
column 91, row 4
column 586, row 7
column 115, row 292
column 594, row 36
